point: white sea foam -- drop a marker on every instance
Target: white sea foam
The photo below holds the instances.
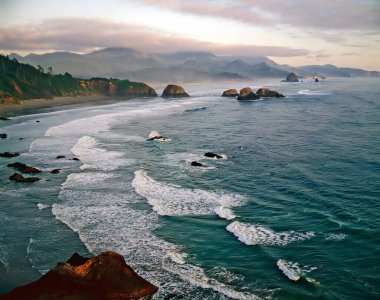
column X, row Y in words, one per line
column 251, row 234
column 118, row 221
column 172, row 200
column 294, row 271
column 197, row 276
column 335, row 237
column 42, row 206
column 94, row 157
column 225, row 212
column 153, row 134
column 312, row 93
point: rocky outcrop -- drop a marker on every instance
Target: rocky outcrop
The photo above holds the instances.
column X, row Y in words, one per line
column 120, row 88
column 102, row 277
column 197, row 164
column 19, row 178
column 291, row 78
column 230, row 93
column 247, row 94
column 174, row 91
column 213, row 155
column 265, row 92
column 55, row 171
column 9, row 154
column 24, row 168
column 316, row 79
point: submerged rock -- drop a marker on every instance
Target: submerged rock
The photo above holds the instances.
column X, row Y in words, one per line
column 4, row 118
column 291, row 78
column 265, row 92
column 174, row 91
column 24, row 168
column 105, row 276
column 155, row 136
column 55, row 171
column 213, row 155
column 76, row 159
column 60, row 157
column 3, row 135
column 230, row 93
column 9, row 154
column 247, row 94
column 19, row 178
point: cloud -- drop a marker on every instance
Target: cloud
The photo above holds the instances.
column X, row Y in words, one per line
column 83, row 35
column 321, row 14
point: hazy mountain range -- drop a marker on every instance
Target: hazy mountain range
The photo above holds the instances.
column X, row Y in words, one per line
column 176, row 67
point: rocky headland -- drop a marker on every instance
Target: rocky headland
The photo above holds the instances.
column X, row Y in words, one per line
column 102, row 277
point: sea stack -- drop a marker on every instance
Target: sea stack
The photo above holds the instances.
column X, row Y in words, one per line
column 265, row 92
column 247, row 94
column 230, row 93
column 174, row 91
column 292, row 78
column 105, row 276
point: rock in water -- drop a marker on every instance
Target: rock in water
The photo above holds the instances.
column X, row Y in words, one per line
column 247, row 94
column 316, row 79
column 24, row 168
column 9, row 154
column 230, row 93
column 197, row 164
column 55, row 171
column 265, row 92
column 3, row 135
column 60, row 157
column 19, row 178
column 292, row 78
column 213, row 155
column 174, row 91
column 105, row 276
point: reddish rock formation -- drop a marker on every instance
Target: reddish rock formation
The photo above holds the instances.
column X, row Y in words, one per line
column 265, row 92
column 247, row 94
column 230, row 93
column 24, row 168
column 174, row 91
column 102, row 277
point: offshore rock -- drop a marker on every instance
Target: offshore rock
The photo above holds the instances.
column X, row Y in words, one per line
column 292, row 78
column 174, row 91
column 230, row 93
column 105, row 276
column 265, row 92
column 9, row 154
column 197, row 164
column 19, row 178
column 247, row 94
column 3, row 135
column 24, row 168
column 213, row 155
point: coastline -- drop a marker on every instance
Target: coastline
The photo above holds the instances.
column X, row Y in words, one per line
column 28, row 106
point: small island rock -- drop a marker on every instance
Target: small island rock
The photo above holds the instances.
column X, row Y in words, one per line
column 55, row 171
column 9, row 154
column 247, row 94
column 24, row 168
column 105, row 276
column 3, row 135
column 213, row 155
column 292, row 78
column 174, row 91
column 230, row 93
column 19, row 178
column 265, row 92
column 60, row 157
column 197, row 164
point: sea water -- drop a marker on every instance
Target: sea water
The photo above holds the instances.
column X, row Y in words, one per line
column 291, row 211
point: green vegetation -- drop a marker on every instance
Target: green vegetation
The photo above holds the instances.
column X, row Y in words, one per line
column 20, row 81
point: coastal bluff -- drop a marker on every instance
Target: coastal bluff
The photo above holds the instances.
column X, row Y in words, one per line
column 105, row 276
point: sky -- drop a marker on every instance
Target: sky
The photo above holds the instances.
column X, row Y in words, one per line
column 344, row 33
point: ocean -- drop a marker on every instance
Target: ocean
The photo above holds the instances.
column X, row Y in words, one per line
column 291, row 211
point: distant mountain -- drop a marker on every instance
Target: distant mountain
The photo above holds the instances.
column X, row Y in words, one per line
column 178, row 66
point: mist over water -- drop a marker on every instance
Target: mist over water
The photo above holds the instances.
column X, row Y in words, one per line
column 291, row 211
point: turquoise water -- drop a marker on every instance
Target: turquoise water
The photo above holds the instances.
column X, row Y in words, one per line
column 295, row 195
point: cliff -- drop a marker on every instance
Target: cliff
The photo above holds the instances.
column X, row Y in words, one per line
column 20, row 81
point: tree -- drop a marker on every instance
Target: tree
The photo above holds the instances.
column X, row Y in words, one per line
column 41, row 69
column 50, row 70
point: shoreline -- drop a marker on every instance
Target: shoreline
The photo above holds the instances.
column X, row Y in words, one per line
column 34, row 105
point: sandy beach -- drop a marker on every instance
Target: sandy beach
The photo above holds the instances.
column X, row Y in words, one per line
column 27, row 106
